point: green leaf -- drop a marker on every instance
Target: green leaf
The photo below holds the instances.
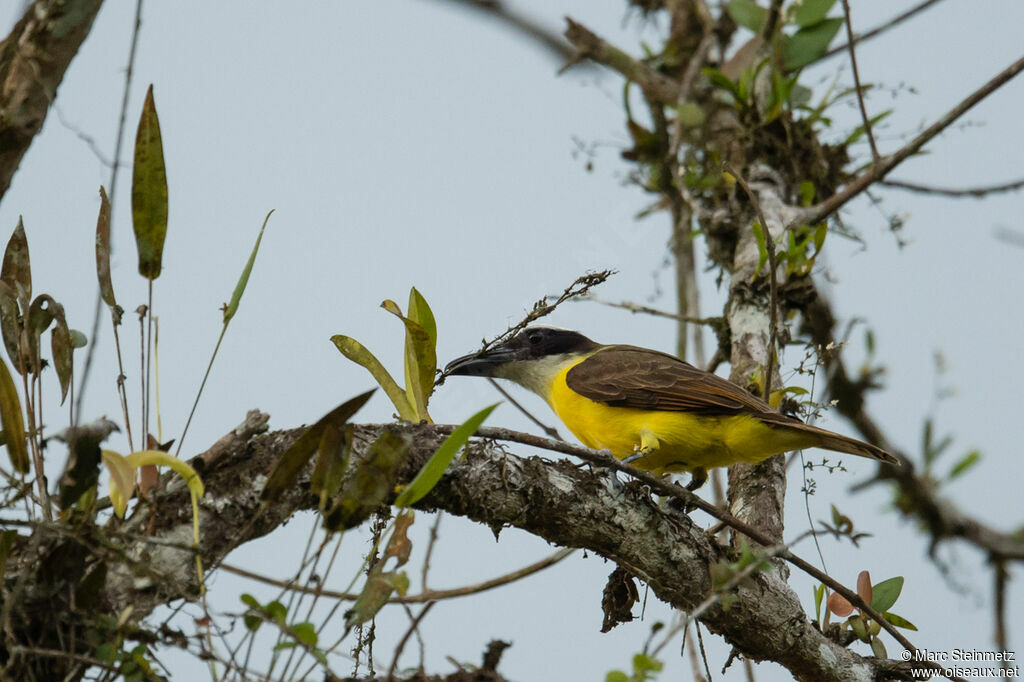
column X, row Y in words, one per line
column 12, row 422
column 420, row 362
column 968, row 461
column 287, row 469
column 332, row 460
column 885, row 594
column 370, row 484
column 62, row 347
column 899, row 621
column 252, row 622
column 747, row 14
column 421, row 314
column 808, row 44
column 357, row 353
column 819, row 596
column 861, row 129
column 305, row 632
column 149, row 191
column 435, row 467
column 250, row 600
column 616, row 676
column 809, row 12
column 276, row 611
column 878, row 648
column 243, row 279
column 103, row 250
column 762, row 247
column 375, row 594
column 720, row 80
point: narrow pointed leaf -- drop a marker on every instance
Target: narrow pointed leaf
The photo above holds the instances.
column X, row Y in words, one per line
column 149, row 191
column 886, row 593
column 103, row 250
column 17, row 268
column 331, row 462
column 10, row 323
column 243, row 280
column 287, row 469
column 12, row 421
column 357, row 353
column 435, row 467
column 899, row 621
column 62, row 348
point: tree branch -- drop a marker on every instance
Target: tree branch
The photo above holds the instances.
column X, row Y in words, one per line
column 33, row 59
column 882, row 168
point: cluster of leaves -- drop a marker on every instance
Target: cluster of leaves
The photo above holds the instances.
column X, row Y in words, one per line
column 880, row 597
column 348, row 496
column 420, row 359
column 301, row 633
column 813, row 28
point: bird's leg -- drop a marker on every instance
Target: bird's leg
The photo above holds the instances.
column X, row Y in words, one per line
column 648, row 443
column 698, row 477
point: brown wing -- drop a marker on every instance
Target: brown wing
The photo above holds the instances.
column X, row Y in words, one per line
column 628, row 376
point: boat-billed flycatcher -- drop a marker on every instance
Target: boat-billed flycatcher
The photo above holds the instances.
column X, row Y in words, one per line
column 642, row 403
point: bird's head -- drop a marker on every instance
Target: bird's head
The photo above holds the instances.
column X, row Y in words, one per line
column 531, row 358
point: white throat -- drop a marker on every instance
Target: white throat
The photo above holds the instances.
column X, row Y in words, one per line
column 537, row 375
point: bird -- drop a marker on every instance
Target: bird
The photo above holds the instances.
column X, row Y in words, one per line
column 649, row 408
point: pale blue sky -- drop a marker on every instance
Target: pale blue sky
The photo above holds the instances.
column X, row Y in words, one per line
column 408, row 143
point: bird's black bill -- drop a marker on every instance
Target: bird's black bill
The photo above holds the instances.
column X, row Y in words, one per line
column 481, row 364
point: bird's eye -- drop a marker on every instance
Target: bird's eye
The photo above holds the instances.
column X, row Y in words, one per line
column 534, row 337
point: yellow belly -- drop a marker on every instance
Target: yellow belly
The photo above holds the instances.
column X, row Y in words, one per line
column 684, row 441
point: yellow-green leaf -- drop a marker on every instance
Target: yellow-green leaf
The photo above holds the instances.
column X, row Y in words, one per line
column 122, row 480
column 12, row 421
column 375, row 595
column 149, row 191
column 103, row 250
column 243, row 280
column 435, row 467
column 420, row 361
column 357, row 353
column 287, row 469
column 421, row 314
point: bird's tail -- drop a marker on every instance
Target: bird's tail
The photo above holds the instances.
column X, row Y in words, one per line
column 850, row 446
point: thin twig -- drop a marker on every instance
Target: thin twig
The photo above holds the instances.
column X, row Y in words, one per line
column 636, row 308
column 1001, row 576
column 426, row 595
column 881, row 28
column 972, row 192
column 879, row 170
column 549, row 430
column 114, row 167
column 856, row 82
column 500, row 11
column 413, row 627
